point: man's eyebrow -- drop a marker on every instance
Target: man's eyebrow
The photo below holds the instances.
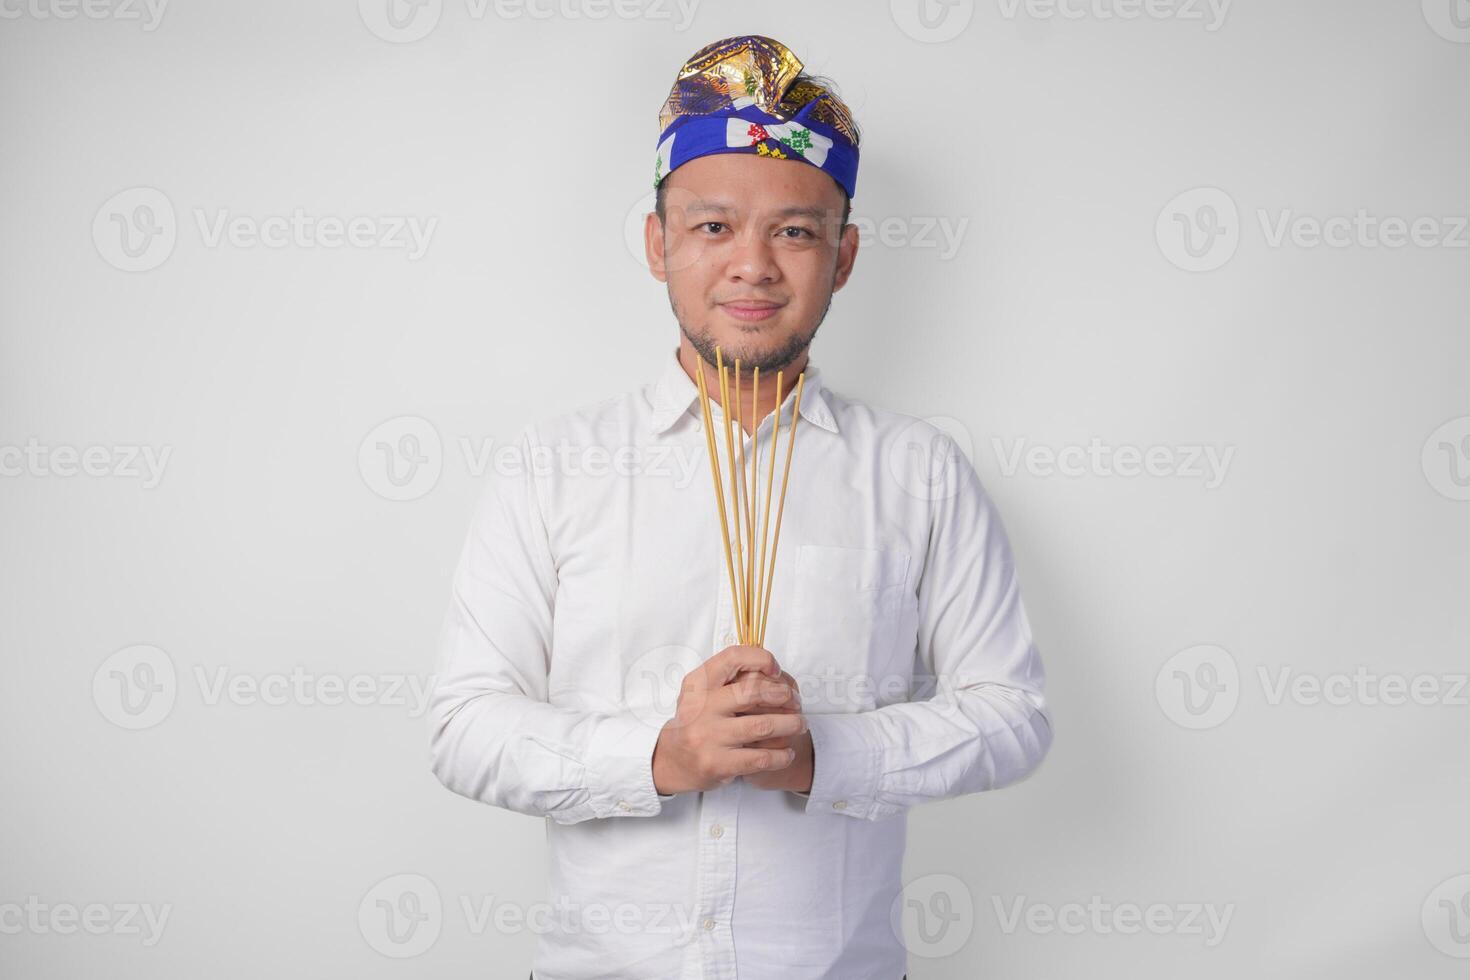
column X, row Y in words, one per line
column 802, row 211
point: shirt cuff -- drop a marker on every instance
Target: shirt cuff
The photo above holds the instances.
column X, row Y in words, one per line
column 847, row 764
column 620, row 768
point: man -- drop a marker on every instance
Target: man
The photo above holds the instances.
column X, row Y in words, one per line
column 719, row 810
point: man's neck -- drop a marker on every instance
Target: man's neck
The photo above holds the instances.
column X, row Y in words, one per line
column 742, row 386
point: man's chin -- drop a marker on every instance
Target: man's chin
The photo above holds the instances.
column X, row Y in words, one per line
column 769, row 361
column 754, row 345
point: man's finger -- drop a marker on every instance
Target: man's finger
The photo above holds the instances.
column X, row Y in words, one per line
column 746, row 729
column 752, row 761
column 726, row 665
column 754, row 695
column 784, row 742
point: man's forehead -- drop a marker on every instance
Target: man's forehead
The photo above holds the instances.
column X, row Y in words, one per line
column 743, row 184
column 782, row 209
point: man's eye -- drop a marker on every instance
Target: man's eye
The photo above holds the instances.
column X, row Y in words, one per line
column 713, row 224
column 803, row 231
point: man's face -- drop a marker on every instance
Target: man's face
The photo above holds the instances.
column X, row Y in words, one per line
column 752, row 251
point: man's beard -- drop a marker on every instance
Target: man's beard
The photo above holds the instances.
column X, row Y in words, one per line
column 750, row 355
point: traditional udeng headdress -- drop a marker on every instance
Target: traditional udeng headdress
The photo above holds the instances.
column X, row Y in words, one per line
column 740, row 95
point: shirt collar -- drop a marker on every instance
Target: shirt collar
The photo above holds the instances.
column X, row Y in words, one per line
column 676, row 394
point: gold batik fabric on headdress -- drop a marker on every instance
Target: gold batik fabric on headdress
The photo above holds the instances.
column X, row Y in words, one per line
column 742, row 95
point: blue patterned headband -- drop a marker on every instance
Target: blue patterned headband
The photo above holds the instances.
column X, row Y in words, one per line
column 745, row 95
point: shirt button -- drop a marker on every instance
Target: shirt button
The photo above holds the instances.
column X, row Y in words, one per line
column 709, row 924
column 623, row 805
column 840, row 805
column 729, row 639
column 717, row 831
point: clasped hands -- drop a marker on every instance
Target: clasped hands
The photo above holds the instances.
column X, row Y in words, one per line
column 739, row 714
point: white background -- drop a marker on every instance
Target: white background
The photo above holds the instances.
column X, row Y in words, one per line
column 1068, row 150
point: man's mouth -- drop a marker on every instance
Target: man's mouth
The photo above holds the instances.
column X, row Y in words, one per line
column 751, row 310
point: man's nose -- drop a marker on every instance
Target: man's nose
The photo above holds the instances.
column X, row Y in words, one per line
column 752, row 258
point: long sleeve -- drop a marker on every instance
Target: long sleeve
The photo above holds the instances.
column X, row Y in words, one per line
column 493, row 735
column 987, row 724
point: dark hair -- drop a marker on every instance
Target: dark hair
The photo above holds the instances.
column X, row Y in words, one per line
column 816, row 80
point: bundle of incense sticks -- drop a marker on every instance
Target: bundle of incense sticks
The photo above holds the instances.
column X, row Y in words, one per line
column 750, row 578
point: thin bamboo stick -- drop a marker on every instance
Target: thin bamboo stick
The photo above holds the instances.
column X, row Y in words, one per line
column 740, row 437
column 760, row 614
column 781, row 506
column 745, row 495
column 755, row 402
column 734, row 488
column 714, row 465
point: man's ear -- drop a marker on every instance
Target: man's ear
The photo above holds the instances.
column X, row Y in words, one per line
column 653, row 246
column 847, row 248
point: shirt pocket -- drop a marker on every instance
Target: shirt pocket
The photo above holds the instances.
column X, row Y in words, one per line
column 847, row 604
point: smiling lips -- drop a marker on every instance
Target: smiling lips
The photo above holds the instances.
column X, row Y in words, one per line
column 751, row 310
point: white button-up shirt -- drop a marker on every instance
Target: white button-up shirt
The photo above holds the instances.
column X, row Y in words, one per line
column 593, row 580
